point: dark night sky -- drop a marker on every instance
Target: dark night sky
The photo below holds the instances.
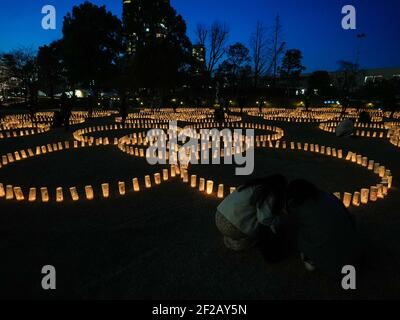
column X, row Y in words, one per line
column 314, row 26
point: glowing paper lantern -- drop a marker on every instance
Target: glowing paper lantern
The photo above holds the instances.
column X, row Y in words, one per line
column 202, row 184
column 370, row 164
column 356, row 199
column 390, row 181
column 381, row 171
column 19, row 194
column 147, row 182
column 32, row 195
column 220, row 193
column 173, row 171
column 105, row 188
column 232, row 190
column 210, row 186
column 121, row 188
column 347, row 199
column 157, row 178
column 89, row 192
column 59, row 194
column 45, row 194
column 136, row 186
column 373, row 194
column 385, row 186
column 193, row 181
column 165, row 174
column 380, row 191
column 74, row 194
column 185, row 176
column 9, row 192
column 364, row 196
column 2, row 191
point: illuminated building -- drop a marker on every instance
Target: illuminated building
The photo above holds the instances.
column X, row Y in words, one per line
column 141, row 27
column 199, row 54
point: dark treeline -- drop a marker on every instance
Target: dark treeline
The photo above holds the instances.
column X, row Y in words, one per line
column 147, row 59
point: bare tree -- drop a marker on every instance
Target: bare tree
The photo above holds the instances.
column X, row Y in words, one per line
column 259, row 47
column 278, row 46
column 21, row 65
column 201, row 34
column 218, row 36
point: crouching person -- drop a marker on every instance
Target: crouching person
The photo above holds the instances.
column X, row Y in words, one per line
column 326, row 233
column 243, row 216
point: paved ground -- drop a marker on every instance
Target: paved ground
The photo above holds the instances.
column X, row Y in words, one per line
column 163, row 244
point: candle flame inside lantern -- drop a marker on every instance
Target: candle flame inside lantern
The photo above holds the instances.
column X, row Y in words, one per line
column 9, row 192
column 59, row 194
column 157, row 178
column 89, row 192
column 121, row 188
column 32, row 195
column 193, row 181
column 45, row 194
column 390, row 181
column 210, row 186
column 185, row 176
column 74, row 194
column 202, row 184
column 136, row 186
column 373, row 195
column 19, row 194
column 347, row 199
column 356, row 199
column 220, row 191
column 147, row 182
column 2, row 191
column 173, row 171
column 105, row 187
column 165, row 174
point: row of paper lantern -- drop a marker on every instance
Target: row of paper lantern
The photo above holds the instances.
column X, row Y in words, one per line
column 40, row 150
column 365, row 195
column 395, row 136
column 331, row 128
column 10, row 192
column 374, row 192
column 22, row 133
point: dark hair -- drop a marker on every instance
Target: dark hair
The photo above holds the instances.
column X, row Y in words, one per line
column 301, row 190
column 274, row 185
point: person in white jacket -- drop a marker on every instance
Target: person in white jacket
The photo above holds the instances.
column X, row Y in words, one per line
column 243, row 215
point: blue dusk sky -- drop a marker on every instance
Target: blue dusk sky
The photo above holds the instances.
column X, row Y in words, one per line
column 313, row 26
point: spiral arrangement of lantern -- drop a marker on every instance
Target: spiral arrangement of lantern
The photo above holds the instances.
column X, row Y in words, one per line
column 136, row 143
column 376, row 130
column 362, row 196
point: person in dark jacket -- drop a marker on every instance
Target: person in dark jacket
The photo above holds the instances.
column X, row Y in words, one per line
column 245, row 215
column 326, row 234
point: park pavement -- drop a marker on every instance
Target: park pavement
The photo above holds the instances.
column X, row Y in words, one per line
column 162, row 243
